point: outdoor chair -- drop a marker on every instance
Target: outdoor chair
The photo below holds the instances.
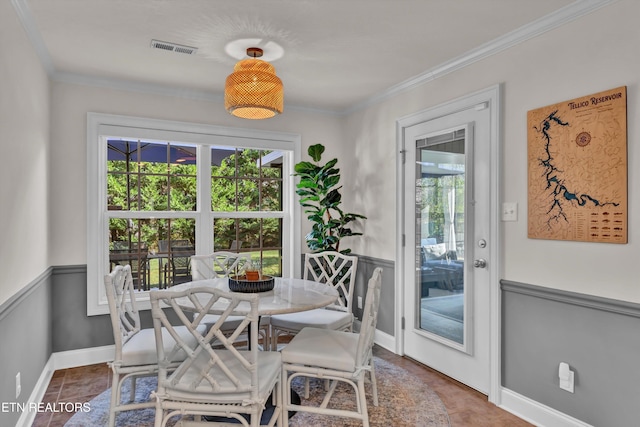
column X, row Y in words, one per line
column 136, row 255
column 225, row 264
column 337, row 356
column 222, row 383
column 135, row 348
column 180, row 257
column 329, row 267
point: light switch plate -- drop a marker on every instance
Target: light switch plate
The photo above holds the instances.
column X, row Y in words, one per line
column 510, row 211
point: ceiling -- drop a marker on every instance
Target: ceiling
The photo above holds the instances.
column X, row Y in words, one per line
column 336, row 55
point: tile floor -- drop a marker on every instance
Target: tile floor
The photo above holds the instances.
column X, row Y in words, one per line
column 466, row 407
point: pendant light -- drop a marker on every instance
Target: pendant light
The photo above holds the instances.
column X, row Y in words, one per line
column 253, row 91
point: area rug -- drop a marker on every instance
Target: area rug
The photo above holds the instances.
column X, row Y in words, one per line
column 404, row 401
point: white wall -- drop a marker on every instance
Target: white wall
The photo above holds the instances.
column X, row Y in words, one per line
column 24, row 152
column 71, row 102
column 594, row 53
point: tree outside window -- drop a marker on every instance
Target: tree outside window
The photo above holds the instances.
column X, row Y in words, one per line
column 145, row 177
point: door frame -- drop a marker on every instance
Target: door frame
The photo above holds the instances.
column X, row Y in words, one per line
column 487, row 98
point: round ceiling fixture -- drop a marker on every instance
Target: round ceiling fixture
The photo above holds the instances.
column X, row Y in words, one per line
column 237, row 49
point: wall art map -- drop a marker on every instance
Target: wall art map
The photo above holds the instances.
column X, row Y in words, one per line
column 577, row 158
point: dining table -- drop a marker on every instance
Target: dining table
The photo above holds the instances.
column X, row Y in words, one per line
column 289, row 295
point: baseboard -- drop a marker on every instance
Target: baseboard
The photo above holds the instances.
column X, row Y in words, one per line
column 63, row 360
column 82, row 357
column 385, row 340
column 37, row 394
column 535, row 412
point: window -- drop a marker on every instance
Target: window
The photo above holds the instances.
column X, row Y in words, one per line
column 161, row 191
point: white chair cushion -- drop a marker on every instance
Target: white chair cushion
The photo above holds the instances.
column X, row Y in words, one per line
column 324, row 348
column 141, row 348
column 318, row 318
column 269, row 365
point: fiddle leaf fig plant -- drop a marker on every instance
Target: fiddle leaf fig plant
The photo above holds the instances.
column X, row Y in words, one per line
column 321, row 199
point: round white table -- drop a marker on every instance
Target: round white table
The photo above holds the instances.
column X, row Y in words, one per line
column 288, row 295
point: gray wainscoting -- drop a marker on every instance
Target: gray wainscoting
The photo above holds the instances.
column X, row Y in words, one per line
column 25, row 334
column 599, row 338
column 72, row 328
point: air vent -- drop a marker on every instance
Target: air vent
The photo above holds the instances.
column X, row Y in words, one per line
column 173, row 47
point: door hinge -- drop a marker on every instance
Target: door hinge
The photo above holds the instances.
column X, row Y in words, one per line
column 402, row 324
column 404, row 240
column 404, row 156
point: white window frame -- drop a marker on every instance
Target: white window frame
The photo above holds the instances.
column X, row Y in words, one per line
column 100, row 126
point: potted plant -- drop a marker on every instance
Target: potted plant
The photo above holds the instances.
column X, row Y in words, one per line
column 321, row 199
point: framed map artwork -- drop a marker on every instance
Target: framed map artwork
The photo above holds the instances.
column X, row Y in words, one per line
column 577, row 175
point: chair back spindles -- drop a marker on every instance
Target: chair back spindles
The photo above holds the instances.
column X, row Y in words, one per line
column 121, row 297
column 218, row 264
column 224, row 264
column 369, row 318
column 336, row 269
column 219, row 380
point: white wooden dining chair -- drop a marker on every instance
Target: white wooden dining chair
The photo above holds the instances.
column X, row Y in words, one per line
column 338, row 356
column 220, row 381
column 329, row 267
column 135, row 347
column 225, row 264
column 218, row 264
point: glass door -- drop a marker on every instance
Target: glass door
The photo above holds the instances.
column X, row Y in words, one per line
column 439, row 238
column 446, row 217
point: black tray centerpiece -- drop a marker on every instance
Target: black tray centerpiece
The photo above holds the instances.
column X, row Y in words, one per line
column 242, row 284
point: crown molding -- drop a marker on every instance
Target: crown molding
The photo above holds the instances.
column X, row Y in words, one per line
column 546, row 23
column 33, row 34
column 549, row 22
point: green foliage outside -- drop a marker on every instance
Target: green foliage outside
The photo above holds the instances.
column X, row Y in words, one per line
column 154, row 187
column 238, row 184
column 433, row 194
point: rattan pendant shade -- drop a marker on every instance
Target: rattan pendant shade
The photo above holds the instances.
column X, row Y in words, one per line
column 253, row 91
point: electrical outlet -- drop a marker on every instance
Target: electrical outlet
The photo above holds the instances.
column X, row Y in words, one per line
column 566, row 376
column 18, row 385
column 360, row 303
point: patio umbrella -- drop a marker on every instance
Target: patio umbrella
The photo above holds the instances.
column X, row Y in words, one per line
column 160, row 152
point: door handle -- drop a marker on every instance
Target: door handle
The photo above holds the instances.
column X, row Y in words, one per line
column 480, row 263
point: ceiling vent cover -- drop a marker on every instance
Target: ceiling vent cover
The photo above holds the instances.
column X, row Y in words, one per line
column 173, row 47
